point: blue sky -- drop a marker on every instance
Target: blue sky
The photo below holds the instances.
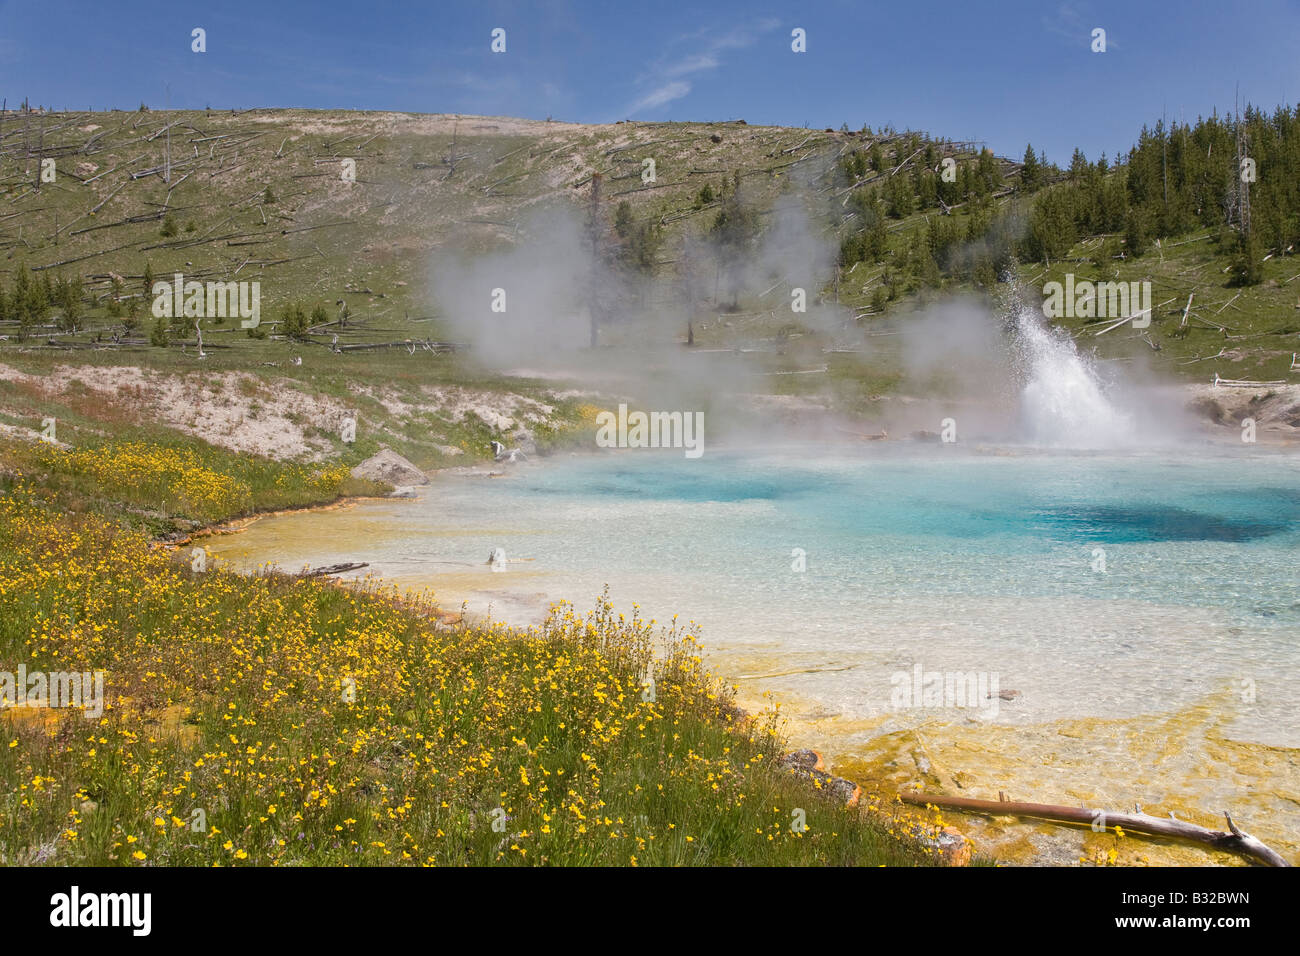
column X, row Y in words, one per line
column 1005, row 73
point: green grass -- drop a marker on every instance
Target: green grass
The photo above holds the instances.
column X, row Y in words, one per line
column 172, row 486
column 1260, row 324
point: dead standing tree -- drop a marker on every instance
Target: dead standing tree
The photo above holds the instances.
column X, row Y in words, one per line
column 594, row 229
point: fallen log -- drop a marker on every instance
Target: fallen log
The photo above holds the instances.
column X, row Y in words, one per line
column 334, row 569
column 89, row 255
column 1231, row 382
column 324, row 225
column 130, row 220
column 114, row 169
column 1228, row 303
column 903, row 163
column 878, row 436
column 407, row 344
column 1232, row 841
column 1117, row 324
column 108, row 197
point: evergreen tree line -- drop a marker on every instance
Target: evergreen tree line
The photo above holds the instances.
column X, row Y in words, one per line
column 1180, row 179
column 897, row 195
column 1175, row 180
column 637, row 244
column 32, row 301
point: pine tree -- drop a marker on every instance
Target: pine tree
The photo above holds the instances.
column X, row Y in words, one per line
column 1078, row 166
column 1247, row 267
column 623, row 219
column 734, row 232
column 293, row 321
column 641, row 249
column 1030, row 171
column 30, row 302
column 131, row 321
column 68, row 293
column 114, row 299
column 899, row 198
column 1136, row 236
column 1051, row 226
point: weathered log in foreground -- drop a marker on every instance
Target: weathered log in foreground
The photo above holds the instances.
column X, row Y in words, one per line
column 330, row 569
column 1233, row 841
column 409, row 344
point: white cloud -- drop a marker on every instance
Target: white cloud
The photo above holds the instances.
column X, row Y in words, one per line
column 1075, row 24
column 667, row 79
column 691, row 64
column 661, row 96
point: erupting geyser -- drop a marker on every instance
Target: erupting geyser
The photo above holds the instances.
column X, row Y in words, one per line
column 1064, row 401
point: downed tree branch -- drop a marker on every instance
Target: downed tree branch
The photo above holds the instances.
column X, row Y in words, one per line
column 1233, row 841
column 904, row 163
column 334, row 569
column 108, row 197
column 89, row 255
column 1116, row 324
column 114, row 169
column 324, row 225
column 426, row 345
column 1229, row 302
column 1231, row 382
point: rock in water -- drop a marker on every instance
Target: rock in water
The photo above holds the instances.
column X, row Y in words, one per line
column 802, row 760
column 524, row 441
column 948, row 843
column 390, row 467
column 808, row 764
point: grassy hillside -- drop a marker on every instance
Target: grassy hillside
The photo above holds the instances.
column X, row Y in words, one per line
column 262, row 195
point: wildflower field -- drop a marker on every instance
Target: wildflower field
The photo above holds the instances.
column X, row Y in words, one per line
column 273, row 720
column 153, row 482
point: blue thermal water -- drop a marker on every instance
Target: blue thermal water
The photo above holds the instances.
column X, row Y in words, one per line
column 1215, row 532
column 1094, row 584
